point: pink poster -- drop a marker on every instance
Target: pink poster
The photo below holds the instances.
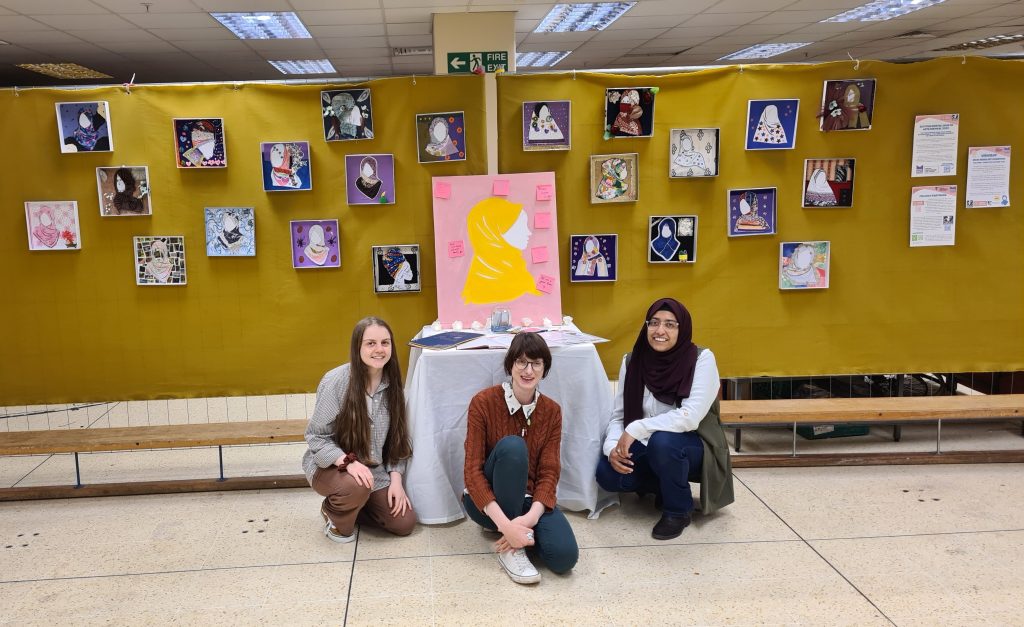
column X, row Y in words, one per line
column 506, row 259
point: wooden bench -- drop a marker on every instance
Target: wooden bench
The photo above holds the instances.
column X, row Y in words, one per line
column 737, row 414
column 878, row 410
column 219, row 434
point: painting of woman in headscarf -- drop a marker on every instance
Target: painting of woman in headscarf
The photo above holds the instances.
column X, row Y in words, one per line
column 396, row 268
column 629, row 112
column 673, row 239
column 84, row 126
column 347, row 114
column 370, row 179
column 315, row 244
column 613, row 178
column 546, row 125
column 499, row 233
column 693, row 152
column 200, row 143
column 828, row 183
column 160, row 260
column 441, row 136
column 803, row 265
column 771, row 124
column 124, row 191
column 593, row 258
column 230, row 232
column 53, row 225
column 286, row 166
column 847, row 105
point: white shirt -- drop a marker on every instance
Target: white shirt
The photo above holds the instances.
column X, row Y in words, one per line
column 513, row 403
column 658, row 416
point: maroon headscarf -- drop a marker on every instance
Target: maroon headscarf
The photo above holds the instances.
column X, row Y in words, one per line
column 667, row 375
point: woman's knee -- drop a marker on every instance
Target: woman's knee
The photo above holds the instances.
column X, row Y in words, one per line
column 349, row 495
column 608, row 478
column 511, row 447
column 403, row 525
column 562, row 557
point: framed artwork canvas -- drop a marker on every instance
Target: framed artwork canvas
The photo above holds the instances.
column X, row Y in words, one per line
column 286, row 166
column 629, row 111
column 199, row 143
column 53, row 225
column 672, row 239
column 124, row 191
column 693, row 153
column 803, row 265
column 752, row 211
column 230, row 232
column 441, row 136
column 160, row 260
column 593, row 258
column 614, row 178
column 496, row 245
column 84, row 126
column 315, row 244
column 771, row 124
column 370, row 179
column 396, row 268
column 828, row 183
column 347, row 114
column 847, row 105
column 546, row 125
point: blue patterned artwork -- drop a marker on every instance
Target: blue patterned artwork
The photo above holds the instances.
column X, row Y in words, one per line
column 230, row 232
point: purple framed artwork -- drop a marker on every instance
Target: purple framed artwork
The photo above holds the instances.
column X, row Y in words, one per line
column 315, row 244
column 752, row 211
column 546, row 124
column 370, row 179
column 593, row 258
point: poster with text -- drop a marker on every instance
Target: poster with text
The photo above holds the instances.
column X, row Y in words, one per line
column 988, row 176
column 933, row 216
column 935, row 139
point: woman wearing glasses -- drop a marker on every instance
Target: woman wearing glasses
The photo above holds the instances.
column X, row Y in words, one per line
column 513, row 439
column 664, row 431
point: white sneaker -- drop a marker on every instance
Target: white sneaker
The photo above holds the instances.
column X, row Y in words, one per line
column 334, row 535
column 518, row 566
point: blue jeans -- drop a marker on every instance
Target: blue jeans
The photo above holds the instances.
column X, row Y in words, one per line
column 666, row 466
column 506, row 470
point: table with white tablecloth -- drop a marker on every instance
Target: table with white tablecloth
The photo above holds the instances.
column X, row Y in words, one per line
column 438, row 390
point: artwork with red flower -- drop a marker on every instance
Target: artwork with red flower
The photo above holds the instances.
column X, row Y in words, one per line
column 441, row 136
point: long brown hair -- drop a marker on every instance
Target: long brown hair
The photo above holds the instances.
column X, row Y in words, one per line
column 352, row 426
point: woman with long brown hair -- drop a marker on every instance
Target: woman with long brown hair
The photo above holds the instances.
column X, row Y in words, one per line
column 358, row 439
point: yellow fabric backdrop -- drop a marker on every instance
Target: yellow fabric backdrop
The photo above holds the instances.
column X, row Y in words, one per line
column 889, row 308
column 77, row 328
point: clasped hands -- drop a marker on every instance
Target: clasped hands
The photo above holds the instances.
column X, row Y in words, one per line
column 619, row 457
column 515, row 534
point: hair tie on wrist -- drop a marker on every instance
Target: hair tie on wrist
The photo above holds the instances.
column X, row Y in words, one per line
column 348, row 459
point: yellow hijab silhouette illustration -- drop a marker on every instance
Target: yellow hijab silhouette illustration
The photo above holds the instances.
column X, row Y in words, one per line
column 498, row 271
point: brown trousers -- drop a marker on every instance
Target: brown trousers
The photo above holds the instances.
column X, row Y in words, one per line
column 346, row 502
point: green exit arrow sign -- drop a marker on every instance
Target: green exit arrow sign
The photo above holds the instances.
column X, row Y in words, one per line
column 469, row 62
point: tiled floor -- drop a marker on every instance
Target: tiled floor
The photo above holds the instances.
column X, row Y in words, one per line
column 918, row 545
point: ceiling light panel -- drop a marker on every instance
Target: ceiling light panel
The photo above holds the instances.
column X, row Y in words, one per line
column 588, row 16
column 540, row 59
column 304, row 66
column 988, row 42
column 264, row 25
column 881, row 10
column 763, row 51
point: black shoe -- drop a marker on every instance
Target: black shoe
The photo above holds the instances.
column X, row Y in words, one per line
column 670, row 526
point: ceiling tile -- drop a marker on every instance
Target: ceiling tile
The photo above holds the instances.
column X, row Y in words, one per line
column 20, row 23
column 123, row 47
column 555, row 39
column 191, row 34
column 638, row 35
column 38, row 37
column 173, row 20
column 136, row 6
column 652, row 21
column 768, row 30
column 323, row 5
column 723, row 19
column 795, row 17
column 412, row 28
column 64, row 7
column 747, row 6
column 540, row 48
column 361, row 53
column 131, row 35
column 234, row 6
column 341, row 18
column 349, row 30
column 422, row 14
column 218, row 46
column 689, row 31
column 668, row 7
column 410, row 41
column 85, row 22
column 346, row 43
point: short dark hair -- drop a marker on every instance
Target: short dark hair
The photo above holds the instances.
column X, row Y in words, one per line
column 533, row 346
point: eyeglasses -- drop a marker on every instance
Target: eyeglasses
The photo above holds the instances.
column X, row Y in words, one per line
column 521, row 364
column 670, row 325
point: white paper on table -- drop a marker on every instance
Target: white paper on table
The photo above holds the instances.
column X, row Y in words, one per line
column 935, row 140
column 933, row 216
column 571, row 338
column 988, row 176
column 498, row 340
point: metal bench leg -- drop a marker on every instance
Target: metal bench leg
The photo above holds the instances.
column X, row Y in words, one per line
column 897, row 433
column 78, row 473
column 736, row 438
column 220, row 457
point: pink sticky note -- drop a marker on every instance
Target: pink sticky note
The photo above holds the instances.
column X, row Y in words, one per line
column 542, row 220
column 545, row 283
column 544, row 192
column 456, row 248
column 442, row 190
column 500, row 187
column 539, row 254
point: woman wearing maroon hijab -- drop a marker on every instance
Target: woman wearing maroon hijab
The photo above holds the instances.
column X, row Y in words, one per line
column 664, row 431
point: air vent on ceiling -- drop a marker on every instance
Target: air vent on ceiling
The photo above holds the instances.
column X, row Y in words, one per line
column 411, row 52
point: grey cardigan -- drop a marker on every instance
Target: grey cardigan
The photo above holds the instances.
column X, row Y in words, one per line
column 323, row 451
